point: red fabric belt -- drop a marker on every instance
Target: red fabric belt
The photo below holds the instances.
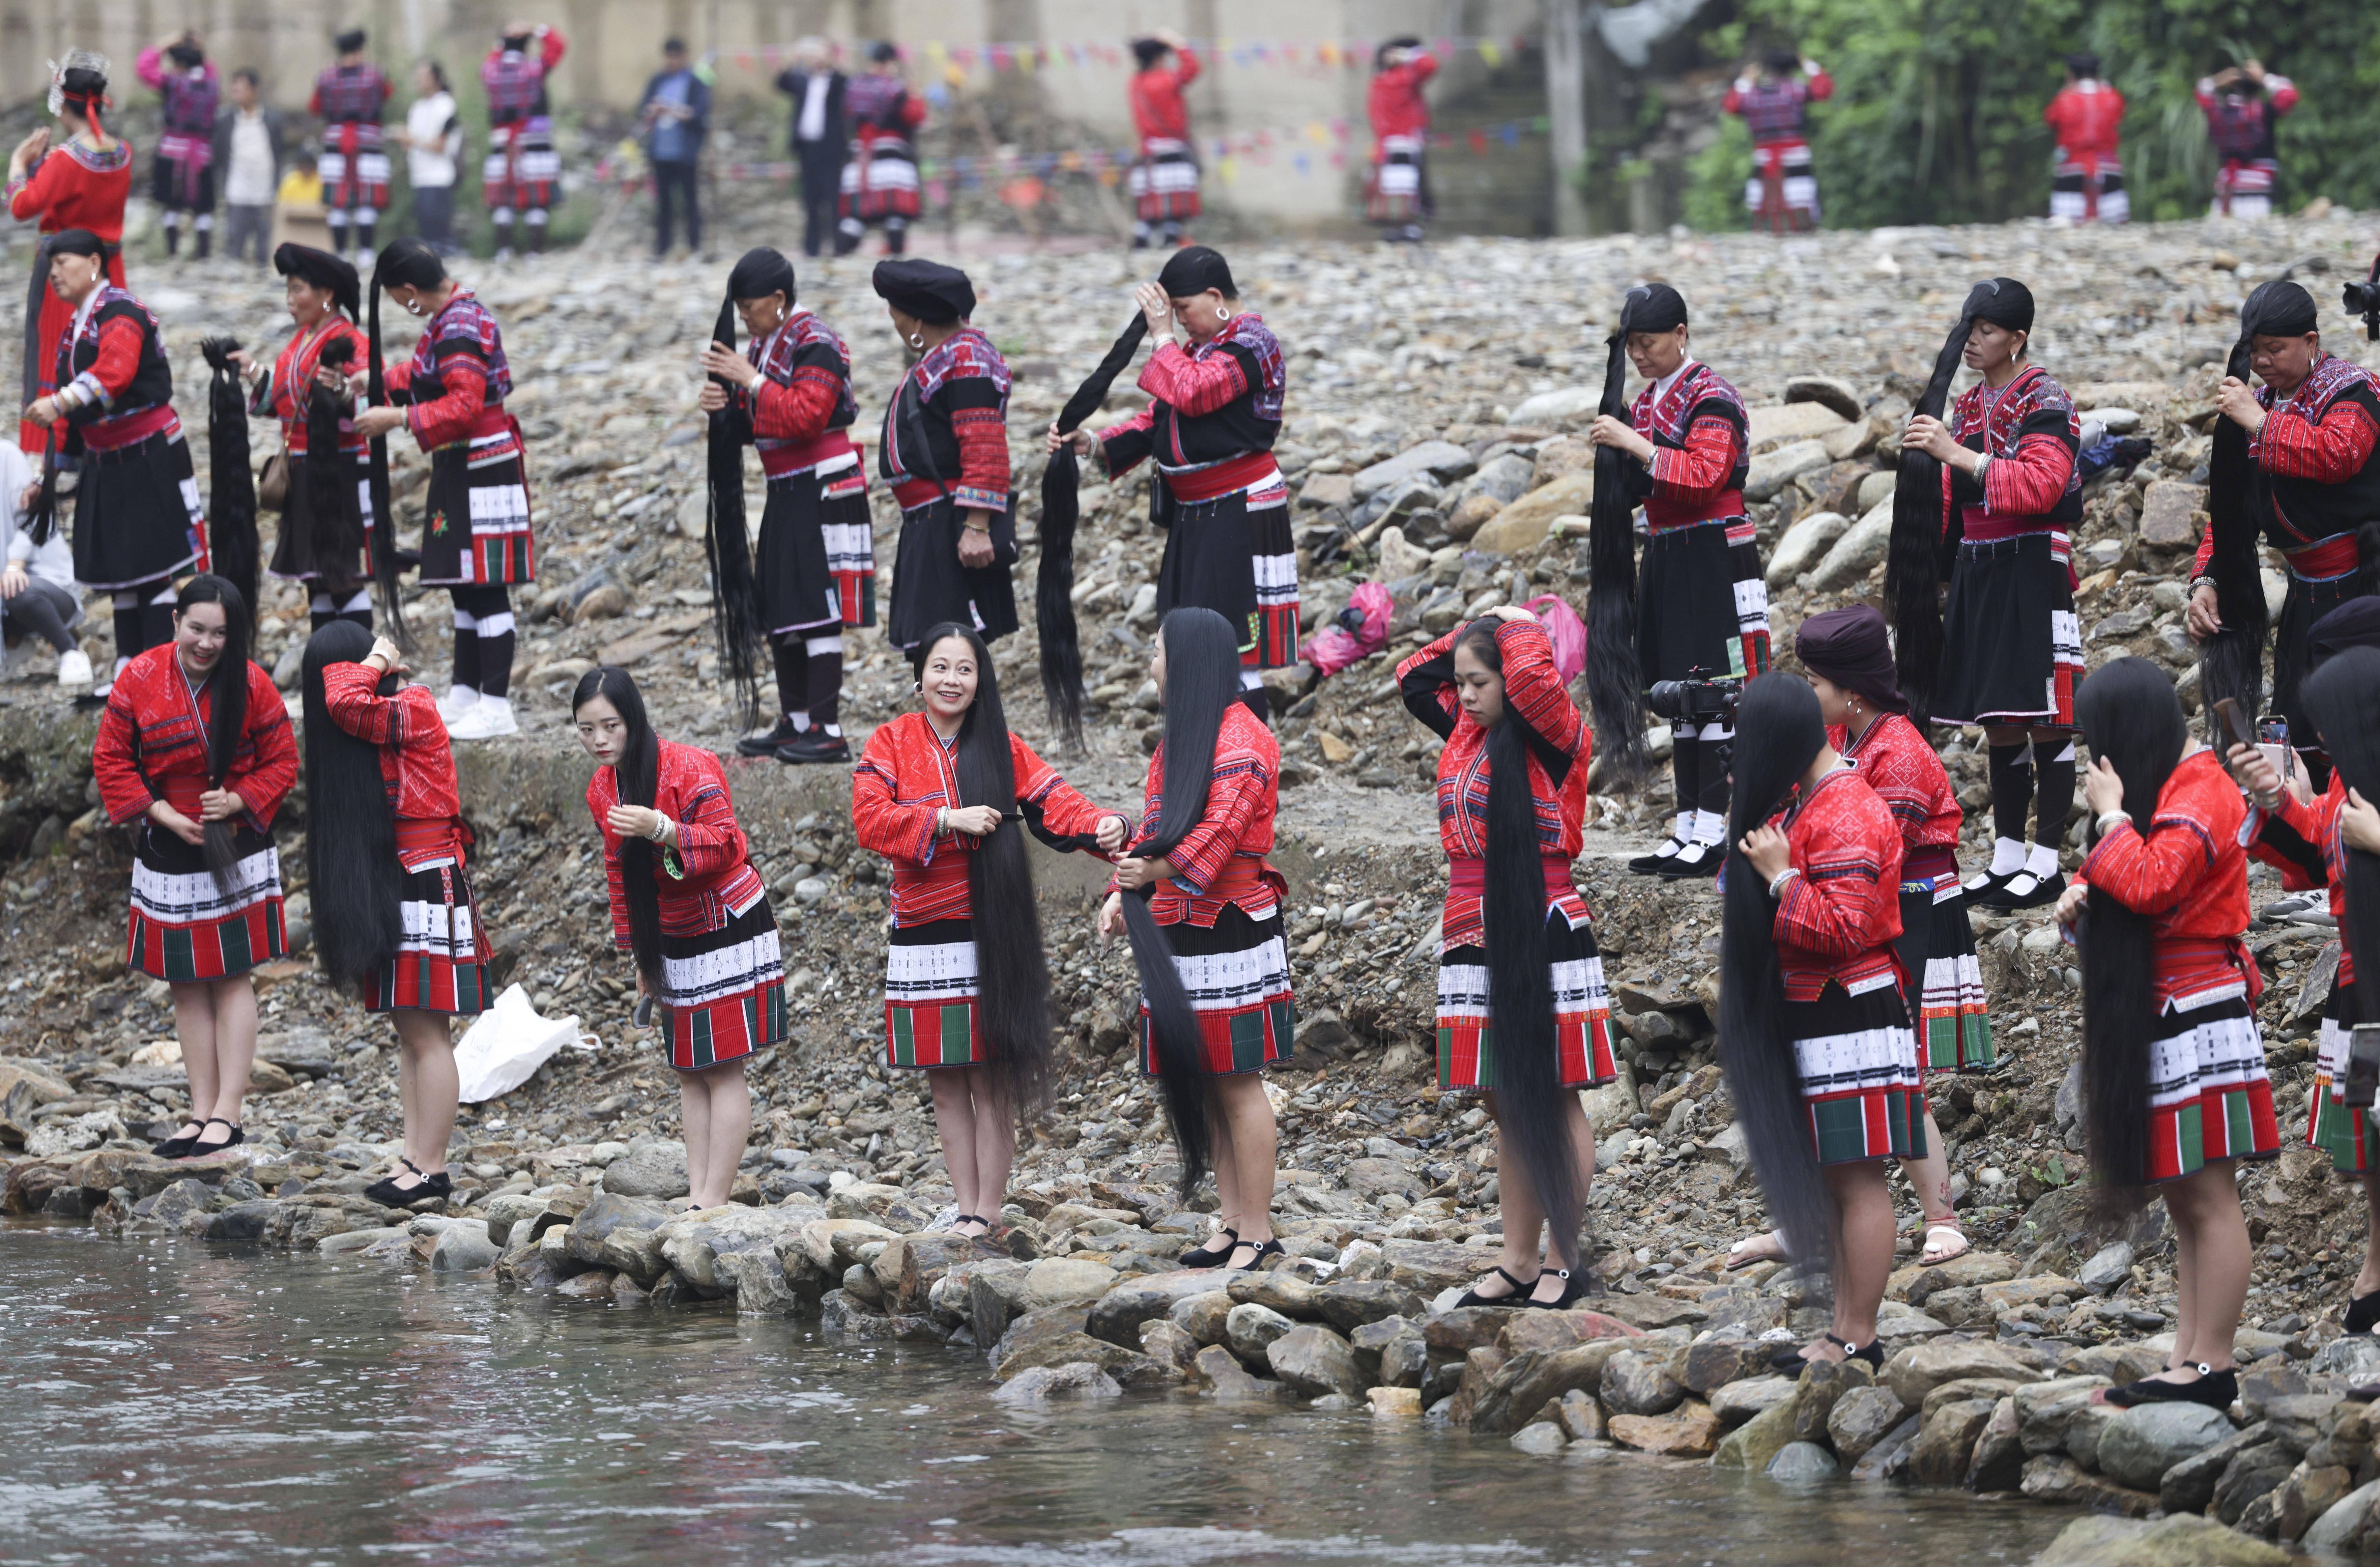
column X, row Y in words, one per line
column 778, row 458
column 1985, row 528
column 130, row 430
column 1468, row 877
column 2319, row 562
column 1668, row 517
column 1928, row 862
column 429, row 836
column 1224, row 478
column 911, row 493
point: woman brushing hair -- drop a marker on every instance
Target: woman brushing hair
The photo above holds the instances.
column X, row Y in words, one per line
column 195, row 743
column 2174, row 1088
column 1988, row 500
column 689, row 908
column 789, row 395
column 1203, row 910
column 1523, row 1016
column 941, row 794
column 1813, row 1032
column 395, row 922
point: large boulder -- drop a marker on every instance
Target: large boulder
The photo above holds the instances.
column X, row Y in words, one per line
column 1315, row 1362
column 1442, row 460
column 1804, row 545
column 1827, row 392
column 1250, row 1331
column 1427, row 1267
column 2179, row 1541
column 1548, row 409
column 1066, row 1281
column 1775, row 424
column 1946, row 1442
column 1771, row 471
column 1350, row 1304
column 656, row 1170
column 1750, row 1445
column 1638, row 1382
column 908, row 1268
column 1853, row 555
column 1918, row 1370
column 1858, row 1420
column 1522, row 524
column 1690, row 1431
column 2140, row 1444
column 1117, row 1316
column 610, row 1211
column 1526, row 1383
column 2173, row 514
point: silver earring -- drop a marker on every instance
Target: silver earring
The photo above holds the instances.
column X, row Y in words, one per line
column 1221, row 313
column 916, row 340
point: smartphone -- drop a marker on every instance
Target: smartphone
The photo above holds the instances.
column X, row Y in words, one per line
column 644, row 1013
column 2273, row 739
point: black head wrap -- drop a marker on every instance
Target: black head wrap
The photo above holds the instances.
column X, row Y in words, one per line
column 2279, row 308
column 76, row 242
column 351, row 41
column 189, row 57
column 1850, row 647
column 1656, row 307
column 761, row 272
column 1194, row 269
column 2084, row 67
column 1784, row 62
column 927, row 290
column 1148, row 51
column 332, row 273
column 2010, row 305
column 2355, row 624
column 884, row 54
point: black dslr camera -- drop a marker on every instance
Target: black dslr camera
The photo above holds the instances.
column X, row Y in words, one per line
column 1701, row 697
column 2363, row 299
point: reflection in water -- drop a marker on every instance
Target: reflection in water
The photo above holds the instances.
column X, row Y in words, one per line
column 171, row 1403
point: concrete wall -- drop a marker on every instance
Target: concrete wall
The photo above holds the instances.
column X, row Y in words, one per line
column 615, row 45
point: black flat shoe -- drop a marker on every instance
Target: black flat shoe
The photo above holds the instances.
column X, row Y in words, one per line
column 2363, row 1312
column 766, row 744
column 179, row 1146
column 1982, row 885
column 388, row 1194
column 1650, row 865
column 2024, row 889
column 201, row 1149
column 1520, row 1295
column 1211, row 1257
column 1572, row 1291
column 1694, row 860
column 1263, row 1249
column 2214, row 1389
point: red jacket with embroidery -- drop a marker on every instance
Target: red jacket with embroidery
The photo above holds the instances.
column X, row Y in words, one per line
column 705, row 881
column 77, row 186
column 946, row 427
column 2088, row 120
column 2191, row 874
column 1701, row 438
column 2031, row 433
column 417, row 761
column 288, row 388
column 1560, row 747
column 1776, row 109
column 152, row 744
column 799, row 413
column 2314, row 826
column 1157, row 111
column 1906, row 774
column 1839, row 919
column 461, row 356
column 1395, row 104
column 2314, row 483
column 1221, row 860
column 907, row 774
column 1215, row 412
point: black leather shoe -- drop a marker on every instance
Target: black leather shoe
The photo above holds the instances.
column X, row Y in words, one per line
column 1650, row 865
column 2216, row 1389
column 1573, row 1289
column 767, row 744
column 1212, row 1255
column 1693, row 860
column 815, row 746
column 200, row 1149
column 2023, row 891
column 2363, row 1313
column 1520, row 1295
column 179, row 1146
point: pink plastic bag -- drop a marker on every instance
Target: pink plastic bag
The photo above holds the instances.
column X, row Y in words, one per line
column 1567, row 633
column 1361, row 628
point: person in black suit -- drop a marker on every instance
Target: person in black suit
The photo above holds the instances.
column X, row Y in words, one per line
column 820, row 139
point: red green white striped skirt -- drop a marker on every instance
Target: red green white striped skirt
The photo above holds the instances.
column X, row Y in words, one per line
column 1237, row 974
column 724, row 992
column 440, row 962
column 1954, row 1019
column 1466, row 1039
column 2209, row 1097
column 479, row 531
column 186, row 925
column 2332, row 1125
column 929, row 997
column 1857, row 1058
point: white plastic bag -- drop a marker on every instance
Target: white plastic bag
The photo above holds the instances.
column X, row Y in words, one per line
column 507, row 1044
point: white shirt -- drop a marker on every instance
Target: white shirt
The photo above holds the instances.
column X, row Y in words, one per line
column 1661, row 387
column 248, row 181
column 813, row 124
column 53, row 562
column 427, row 122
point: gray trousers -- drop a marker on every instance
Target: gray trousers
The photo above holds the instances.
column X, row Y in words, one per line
column 248, row 226
column 43, row 610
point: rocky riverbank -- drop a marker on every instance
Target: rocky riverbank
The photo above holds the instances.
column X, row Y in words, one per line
column 1436, row 400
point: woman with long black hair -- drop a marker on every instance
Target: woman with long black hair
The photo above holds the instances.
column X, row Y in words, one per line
column 1202, row 908
column 688, row 905
column 195, row 743
column 1523, row 1014
column 788, row 395
column 326, row 507
column 1813, row 1030
column 944, row 795
column 395, row 922
column 476, row 540
column 1987, row 499
column 2174, row 1088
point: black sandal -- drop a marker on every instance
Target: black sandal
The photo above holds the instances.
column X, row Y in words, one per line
column 178, row 1146
column 2363, row 1313
column 200, row 1149
column 1211, row 1257
column 1271, row 1247
column 1520, row 1295
column 1572, row 1290
column 2215, row 1390
column 1792, row 1361
column 388, row 1194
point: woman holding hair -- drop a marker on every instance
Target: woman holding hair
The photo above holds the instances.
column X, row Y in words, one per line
column 1523, row 1014
column 945, row 454
column 194, row 739
column 476, row 541
column 1203, row 911
column 2174, row 1088
column 788, row 395
column 688, row 906
column 941, row 794
column 395, row 922
column 1214, row 412
column 1813, row 1032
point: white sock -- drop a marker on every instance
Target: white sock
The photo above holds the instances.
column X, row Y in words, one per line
column 1683, row 828
column 2007, row 856
column 2042, row 862
column 833, row 729
column 800, row 720
column 1709, row 827
column 461, row 697
column 500, row 706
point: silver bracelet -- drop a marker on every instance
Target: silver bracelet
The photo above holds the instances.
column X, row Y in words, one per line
column 1781, row 878
column 2108, row 820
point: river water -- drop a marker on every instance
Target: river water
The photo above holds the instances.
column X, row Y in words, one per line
column 167, row 1402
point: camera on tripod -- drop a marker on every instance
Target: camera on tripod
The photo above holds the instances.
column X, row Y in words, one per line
column 2363, row 299
column 1701, row 697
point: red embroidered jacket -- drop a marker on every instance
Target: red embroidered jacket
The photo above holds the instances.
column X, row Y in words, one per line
column 2030, row 431
column 2088, row 120
column 1839, row 919
column 1701, row 438
column 1906, row 774
column 455, row 386
column 1215, row 412
column 800, row 413
column 706, row 880
column 286, row 390
column 1559, row 743
column 115, row 388
column 1157, row 111
column 1221, row 860
column 152, row 744
column 1777, row 110
column 907, row 773
column 2314, row 826
column 1394, row 102
column 78, row 187
column 946, row 428
column 2191, row 874
column 2314, row 482
column 417, row 761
